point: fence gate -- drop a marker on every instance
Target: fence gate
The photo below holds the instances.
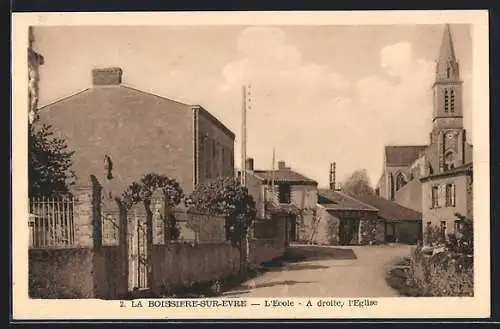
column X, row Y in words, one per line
column 137, row 251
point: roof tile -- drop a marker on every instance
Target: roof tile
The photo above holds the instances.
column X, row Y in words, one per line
column 403, row 155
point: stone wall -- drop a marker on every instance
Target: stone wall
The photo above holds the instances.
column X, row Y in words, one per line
column 61, row 273
column 264, row 250
column 326, row 231
column 410, row 195
column 178, row 265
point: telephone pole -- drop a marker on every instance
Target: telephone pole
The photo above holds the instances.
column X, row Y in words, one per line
column 246, row 105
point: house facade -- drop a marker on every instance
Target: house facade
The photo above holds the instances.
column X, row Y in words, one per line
column 451, row 193
column 138, row 133
column 344, row 220
column 292, row 195
column 419, row 176
column 401, row 224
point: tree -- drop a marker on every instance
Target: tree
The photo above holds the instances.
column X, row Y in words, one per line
column 49, row 163
column 143, row 191
column 224, row 196
column 357, row 184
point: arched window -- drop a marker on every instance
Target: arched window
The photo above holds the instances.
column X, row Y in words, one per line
column 446, row 104
column 400, row 181
column 448, row 72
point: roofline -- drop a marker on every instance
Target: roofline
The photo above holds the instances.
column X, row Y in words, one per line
column 297, row 181
column 400, row 220
column 353, row 198
column 465, row 169
column 124, row 85
column 210, row 115
column 215, row 120
column 351, row 209
column 405, row 145
column 62, row 99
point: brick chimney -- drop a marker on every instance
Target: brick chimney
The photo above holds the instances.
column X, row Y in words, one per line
column 249, row 164
column 332, row 176
column 107, row 76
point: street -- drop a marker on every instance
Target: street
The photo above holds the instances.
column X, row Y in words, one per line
column 354, row 271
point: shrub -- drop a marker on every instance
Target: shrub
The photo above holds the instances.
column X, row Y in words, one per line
column 444, row 274
column 224, row 196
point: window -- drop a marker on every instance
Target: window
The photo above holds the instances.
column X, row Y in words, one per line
column 457, row 227
column 285, row 193
column 443, row 228
column 450, row 195
column 434, row 197
column 448, row 71
column 446, row 105
column 400, row 181
column 452, row 101
column 208, row 159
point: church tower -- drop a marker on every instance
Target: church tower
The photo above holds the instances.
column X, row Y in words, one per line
column 448, row 137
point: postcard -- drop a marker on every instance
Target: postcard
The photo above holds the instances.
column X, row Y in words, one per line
column 250, row 165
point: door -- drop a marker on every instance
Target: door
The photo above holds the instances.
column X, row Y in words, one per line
column 293, row 228
column 390, row 232
column 348, row 231
column 137, row 251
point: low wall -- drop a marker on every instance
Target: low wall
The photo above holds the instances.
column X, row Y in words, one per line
column 111, row 273
column 61, row 273
column 77, row 273
column 263, row 250
column 178, row 265
column 103, row 273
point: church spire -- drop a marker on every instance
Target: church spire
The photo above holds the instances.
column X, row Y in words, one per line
column 447, row 67
column 447, row 51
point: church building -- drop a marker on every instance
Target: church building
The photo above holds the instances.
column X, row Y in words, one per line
column 435, row 179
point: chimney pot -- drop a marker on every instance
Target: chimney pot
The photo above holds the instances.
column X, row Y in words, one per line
column 249, row 164
column 107, row 76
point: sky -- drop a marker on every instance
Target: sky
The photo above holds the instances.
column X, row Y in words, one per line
column 320, row 94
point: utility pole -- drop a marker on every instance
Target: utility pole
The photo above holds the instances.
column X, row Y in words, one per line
column 246, row 93
column 246, row 105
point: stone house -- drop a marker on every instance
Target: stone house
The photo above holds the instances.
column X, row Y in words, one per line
column 120, row 133
column 451, row 193
column 344, row 220
column 401, row 224
column 294, row 197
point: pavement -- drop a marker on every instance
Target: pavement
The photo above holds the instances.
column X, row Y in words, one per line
column 354, row 271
